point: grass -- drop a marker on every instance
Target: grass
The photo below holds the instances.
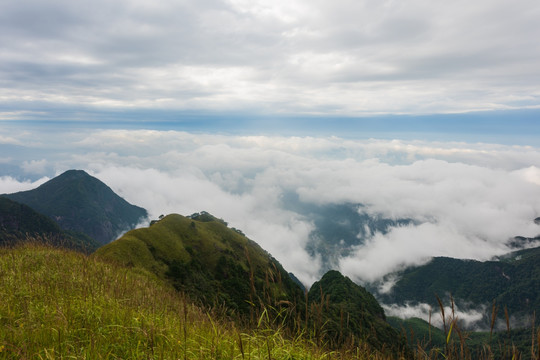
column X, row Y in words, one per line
column 451, row 342
column 60, row 304
column 207, row 260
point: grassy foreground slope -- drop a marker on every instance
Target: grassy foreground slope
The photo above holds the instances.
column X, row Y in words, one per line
column 63, row 304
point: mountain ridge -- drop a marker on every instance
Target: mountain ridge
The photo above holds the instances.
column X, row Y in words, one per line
column 510, row 281
column 212, row 263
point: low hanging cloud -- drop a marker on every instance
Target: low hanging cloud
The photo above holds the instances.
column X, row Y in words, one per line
column 472, row 318
column 469, row 319
column 461, row 201
column 9, row 184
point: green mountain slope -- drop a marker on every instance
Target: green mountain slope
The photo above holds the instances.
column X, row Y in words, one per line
column 210, row 262
column 350, row 313
column 512, row 282
column 20, row 223
column 79, row 202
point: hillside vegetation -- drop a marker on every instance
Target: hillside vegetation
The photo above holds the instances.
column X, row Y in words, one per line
column 215, row 265
column 62, row 304
column 210, row 262
column 348, row 313
column 512, row 282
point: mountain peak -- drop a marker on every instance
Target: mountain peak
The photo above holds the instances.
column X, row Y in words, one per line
column 73, row 174
column 80, row 202
column 205, row 259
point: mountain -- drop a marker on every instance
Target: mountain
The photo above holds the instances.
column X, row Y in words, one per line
column 20, row 223
column 79, row 202
column 210, row 262
column 350, row 313
column 217, row 265
column 511, row 281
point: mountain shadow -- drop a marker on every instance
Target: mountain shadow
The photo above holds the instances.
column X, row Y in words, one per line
column 20, row 223
column 80, row 202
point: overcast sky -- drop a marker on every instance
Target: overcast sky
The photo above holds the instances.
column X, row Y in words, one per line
column 65, row 59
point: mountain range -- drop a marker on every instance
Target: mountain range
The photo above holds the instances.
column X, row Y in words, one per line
column 201, row 257
column 214, row 264
column 510, row 282
column 218, row 266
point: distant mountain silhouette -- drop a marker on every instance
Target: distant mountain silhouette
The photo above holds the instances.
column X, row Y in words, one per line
column 80, row 202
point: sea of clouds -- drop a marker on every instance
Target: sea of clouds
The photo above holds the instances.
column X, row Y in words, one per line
column 466, row 200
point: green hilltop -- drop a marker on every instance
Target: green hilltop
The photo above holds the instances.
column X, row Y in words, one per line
column 213, row 264
column 216, row 265
column 349, row 313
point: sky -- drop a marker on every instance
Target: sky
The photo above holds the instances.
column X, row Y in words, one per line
column 65, row 60
column 426, row 110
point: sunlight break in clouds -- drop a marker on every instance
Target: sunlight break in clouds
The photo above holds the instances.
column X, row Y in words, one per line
column 462, row 201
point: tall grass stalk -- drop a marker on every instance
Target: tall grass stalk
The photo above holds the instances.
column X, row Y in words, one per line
column 61, row 304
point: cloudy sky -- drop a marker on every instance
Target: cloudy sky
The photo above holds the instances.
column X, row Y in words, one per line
column 427, row 110
column 89, row 59
column 467, row 200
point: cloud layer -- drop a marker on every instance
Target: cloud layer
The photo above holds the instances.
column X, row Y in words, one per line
column 466, row 200
column 301, row 57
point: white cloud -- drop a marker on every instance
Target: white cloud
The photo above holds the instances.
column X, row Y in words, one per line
column 10, row 185
column 35, row 166
column 464, row 202
column 531, row 174
column 469, row 319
